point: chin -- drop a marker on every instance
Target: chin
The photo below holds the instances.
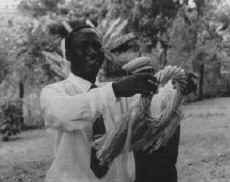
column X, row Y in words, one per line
column 91, row 74
column 92, row 77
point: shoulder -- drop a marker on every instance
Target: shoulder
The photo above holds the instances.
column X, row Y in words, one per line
column 101, row 84
column 54, row 86
column 50, row 91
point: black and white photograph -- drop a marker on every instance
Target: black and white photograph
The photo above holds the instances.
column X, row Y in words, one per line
column 114, row 90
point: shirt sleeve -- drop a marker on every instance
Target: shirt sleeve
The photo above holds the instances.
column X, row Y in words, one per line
column 65, row 112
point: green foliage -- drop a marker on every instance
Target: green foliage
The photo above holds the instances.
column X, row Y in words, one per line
column 38, row 41
column 181, row 28
column 38, row 8
column 22, row 43
column 11, row 119
column 4, row 65
column 56, row 64
column 113, row 37
column 89, row 9
column 147, row 18
column 30, row 64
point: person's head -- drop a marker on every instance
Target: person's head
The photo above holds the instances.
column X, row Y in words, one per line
column 83, row 49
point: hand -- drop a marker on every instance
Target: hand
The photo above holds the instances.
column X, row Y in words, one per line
column 142, row 83
column 187, row 85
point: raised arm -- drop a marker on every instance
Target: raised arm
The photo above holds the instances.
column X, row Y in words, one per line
column 66, row 112
column 62, row 111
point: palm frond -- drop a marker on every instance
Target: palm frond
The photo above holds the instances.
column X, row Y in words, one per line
column 56, row 58
column 114, row 36
column 111, row 28
column 118, row 29
column 119, row 41
column 56, row 63
column 102, row 27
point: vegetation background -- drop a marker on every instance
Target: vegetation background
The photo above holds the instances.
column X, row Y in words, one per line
column 189, row 33
column 194, row 34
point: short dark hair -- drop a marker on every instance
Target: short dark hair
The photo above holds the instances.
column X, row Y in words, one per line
column 79, row 29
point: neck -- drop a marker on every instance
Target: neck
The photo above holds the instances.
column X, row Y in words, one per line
column 84, row 76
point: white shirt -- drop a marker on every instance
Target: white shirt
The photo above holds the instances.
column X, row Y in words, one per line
column 70, row 109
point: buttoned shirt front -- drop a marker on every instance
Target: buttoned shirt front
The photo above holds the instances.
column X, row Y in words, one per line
column 69, row 110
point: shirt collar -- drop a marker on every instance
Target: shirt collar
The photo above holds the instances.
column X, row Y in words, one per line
column 81, row 83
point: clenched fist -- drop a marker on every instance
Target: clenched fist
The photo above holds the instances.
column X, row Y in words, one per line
column 141, row 83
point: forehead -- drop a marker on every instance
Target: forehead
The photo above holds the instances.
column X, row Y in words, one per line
column 86, row 35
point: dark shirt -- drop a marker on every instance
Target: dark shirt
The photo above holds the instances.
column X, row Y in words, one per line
column 159, row 166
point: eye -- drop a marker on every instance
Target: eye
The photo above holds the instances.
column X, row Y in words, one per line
column 97, row 45
column 84, row 45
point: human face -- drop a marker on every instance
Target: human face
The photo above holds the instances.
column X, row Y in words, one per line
column 88, row 58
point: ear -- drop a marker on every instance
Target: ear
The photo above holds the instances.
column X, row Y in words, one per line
column 76, row 24
column 58, row 29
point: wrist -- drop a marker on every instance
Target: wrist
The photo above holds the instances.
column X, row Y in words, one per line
column 115, row 90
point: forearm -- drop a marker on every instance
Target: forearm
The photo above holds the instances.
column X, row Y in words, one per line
column 60, row 108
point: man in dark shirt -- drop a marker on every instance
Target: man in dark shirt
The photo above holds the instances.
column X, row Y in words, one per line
column 159, row 166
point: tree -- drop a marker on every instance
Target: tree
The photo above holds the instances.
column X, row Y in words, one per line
column 179, row 28
column 38, row 8
column 197, row 43
column 85, row 9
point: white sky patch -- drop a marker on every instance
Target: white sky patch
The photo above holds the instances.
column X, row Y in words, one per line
column 8, row 3
column 191, row 4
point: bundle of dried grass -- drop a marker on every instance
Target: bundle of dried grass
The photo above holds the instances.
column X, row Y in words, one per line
column 143, row 129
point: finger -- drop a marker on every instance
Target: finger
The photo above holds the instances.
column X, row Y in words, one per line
column 193, row 75
column 152, row 87
column 145, row 93
column 146, row 88
column 152, row 77
column 152, row 82
column 182, row 83
column 142, row 91
column 181, row 80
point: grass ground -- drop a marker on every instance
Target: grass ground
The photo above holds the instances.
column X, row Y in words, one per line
column 205, row 142
column 204, row 148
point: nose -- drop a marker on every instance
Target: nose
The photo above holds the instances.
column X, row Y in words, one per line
column 92, row 51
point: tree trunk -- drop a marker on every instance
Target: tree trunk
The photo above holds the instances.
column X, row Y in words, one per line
column 163, row 57
column 201, row 82
column 21, row 96
column 21, row 90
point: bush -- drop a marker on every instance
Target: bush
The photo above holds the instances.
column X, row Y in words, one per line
column 11, row 119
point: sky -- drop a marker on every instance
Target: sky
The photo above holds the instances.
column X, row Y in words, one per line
column 4, row 3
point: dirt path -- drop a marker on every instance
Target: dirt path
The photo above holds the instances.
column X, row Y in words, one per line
column 204, row 148
column 26, row 158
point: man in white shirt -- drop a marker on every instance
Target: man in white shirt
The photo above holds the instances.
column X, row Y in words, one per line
column 70, row 109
